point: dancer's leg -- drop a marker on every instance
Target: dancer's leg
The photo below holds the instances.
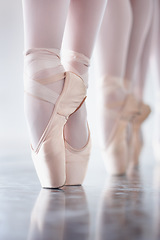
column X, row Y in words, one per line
column 158, row 45
column 142, row 71
column 142, row 16
column 81, row 30
column 44, row 23
column 83, row 23
column 113, row 38
column 112, row 48
column 155, row 50
column 142, row 13
column 155, row 55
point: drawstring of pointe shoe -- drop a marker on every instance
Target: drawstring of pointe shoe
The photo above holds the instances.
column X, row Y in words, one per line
column 51, row 63
column 72, row 56
column 41, row 67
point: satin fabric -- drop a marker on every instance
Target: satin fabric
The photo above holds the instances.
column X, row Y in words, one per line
column 116, row 145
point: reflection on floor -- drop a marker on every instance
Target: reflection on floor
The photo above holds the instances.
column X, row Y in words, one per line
column 118, row 208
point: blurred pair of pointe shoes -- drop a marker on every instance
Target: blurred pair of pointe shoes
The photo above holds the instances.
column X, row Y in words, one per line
column 119, row 108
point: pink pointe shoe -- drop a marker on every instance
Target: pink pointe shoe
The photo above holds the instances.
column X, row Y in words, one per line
column 136, row 142
column 77, row 162
column 49, row 155
column 117, row 111
column 76, row 159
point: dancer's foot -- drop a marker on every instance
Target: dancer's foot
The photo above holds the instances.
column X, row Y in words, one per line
column 76, row 128
column 136, row 142
column 49, row 154
column 76, row 131
column 116, row 113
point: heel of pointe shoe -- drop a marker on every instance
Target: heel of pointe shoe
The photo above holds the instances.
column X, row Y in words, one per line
column 77, row 163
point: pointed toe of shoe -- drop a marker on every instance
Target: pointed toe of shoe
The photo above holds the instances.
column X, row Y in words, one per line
column 50, row 170
column 76, row 163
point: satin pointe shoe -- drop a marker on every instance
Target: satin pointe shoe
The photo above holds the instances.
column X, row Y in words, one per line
column 77, row 162
column 49, row 155
column 136, row 142
column 116, row 114
column 76, row 159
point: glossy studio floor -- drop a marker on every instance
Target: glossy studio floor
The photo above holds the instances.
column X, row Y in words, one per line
column 111, row 208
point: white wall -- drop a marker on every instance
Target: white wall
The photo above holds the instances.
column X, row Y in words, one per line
column 12, row 124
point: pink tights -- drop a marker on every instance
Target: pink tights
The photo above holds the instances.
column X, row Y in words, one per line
column 44, row 24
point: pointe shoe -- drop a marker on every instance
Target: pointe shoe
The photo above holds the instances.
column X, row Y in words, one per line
column 77, row 162
column 49, row 155
column 76, row 159
column 136, row 142
column 115, row 151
